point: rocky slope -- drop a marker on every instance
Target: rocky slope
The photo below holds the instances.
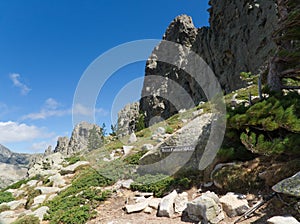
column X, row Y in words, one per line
column 13, row 166
column 239, row 39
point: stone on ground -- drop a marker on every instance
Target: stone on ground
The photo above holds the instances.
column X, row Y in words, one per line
column 232, row 205
column 137, row 207
column 283, row 220
column 180, row 202
column 166, row 206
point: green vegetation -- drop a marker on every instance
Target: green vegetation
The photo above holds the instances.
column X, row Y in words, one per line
column 73, row 159
column 169, row 130
column 140, row 124
column 32, row 193
column 269, row 127
column 159, row 184
column 134, row 158
column 6, row 197
column 76, row 204
column 27, row 219
column 20, row 183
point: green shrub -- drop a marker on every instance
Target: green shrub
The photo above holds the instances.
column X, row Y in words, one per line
column 140, row 124
column 169, row 130
column 6, row 197
column 134, row 158
column 27, row 219
column 32, row 193
column 20, row 183
column 73, row 160
column 160, row 184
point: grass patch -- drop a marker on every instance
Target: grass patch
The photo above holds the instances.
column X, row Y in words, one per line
column 4, row 208
column 27, row 219
column 134, row 158
column 6, row 197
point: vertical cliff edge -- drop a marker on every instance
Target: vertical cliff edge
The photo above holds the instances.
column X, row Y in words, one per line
column 239, row 39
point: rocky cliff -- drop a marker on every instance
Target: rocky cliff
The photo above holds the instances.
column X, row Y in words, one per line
column 13, row 166
column 239, row 39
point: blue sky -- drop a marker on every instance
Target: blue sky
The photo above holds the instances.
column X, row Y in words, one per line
column 45, row 47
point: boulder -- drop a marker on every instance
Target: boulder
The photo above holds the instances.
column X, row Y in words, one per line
column 127, row 119
column 132, row 138
column 147, row 147
column 283, row 220
column 8, row 217
column 127, row 149
column 166, row 206
column 57, row 180
column 40, row 212
column 289, row 186
column 72, row 168
column 154, row 203
column 48, row 190
column 15, row 204
column 180, row 202
column 205, row 208
column 232, row 205
column 138, row 206
column 39, row 200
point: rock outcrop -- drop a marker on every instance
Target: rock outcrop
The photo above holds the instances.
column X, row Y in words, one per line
column 127, row 118
column 239, row 39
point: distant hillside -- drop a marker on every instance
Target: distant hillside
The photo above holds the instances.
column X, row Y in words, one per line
column 9, row 157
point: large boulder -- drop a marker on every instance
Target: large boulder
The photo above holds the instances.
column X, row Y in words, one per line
column 62, row 145
column 205, row 208
column 283, row 220
column 289, row 186
column 166, row 206
column 127, row 119
column 233, row 205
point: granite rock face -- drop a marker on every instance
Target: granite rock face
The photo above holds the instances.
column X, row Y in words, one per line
column 238, row 40
column 62, row 145
column 127, row 118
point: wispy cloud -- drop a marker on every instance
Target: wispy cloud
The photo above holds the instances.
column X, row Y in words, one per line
column 17, row 132
column 51, row 108
column 15, row 78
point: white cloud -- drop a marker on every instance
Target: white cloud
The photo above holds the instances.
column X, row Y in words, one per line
column 15, row 78
column 15, row 132
column 80, row 109
column 51, row 109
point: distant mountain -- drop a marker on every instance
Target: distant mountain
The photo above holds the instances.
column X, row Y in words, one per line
column 13, row 166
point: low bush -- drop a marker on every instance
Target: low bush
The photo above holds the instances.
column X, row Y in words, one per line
column 27, row 219
column 6, row 197
column 4, row 208
column 134, row 158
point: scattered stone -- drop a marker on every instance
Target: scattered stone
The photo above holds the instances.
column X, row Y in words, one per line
column 205, row 207
column 147, row 147
column 72, row 168
column 58, row 180
column 289, row 186
column 132, row 138
column 40, row 212
column 32, row 183
column 166, row 206
column 39, row 200
column 283, row 220
column 180, row 202
column 15, row 204
column 16, row 192
column 51, row 197
column 154, row 203
column 140, row 199
column 143, row 194
column 126, row 183
column 48, row 190
column 148, row 210
column 160, row 131
column 233, row 206
column 8, row 217
column 137, row 207
column 127, row 149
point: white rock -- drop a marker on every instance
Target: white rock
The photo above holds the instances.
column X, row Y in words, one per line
column 16, row 204
column 40, row 212
column 127, row 149
column 205, row 208
column 180, row 202
column 137, row 207
column 154, row 203
column 48, row 190
column 148, row 210
column 39, row 200
column 32, row 183
column 8, row 217
column 132, row 138
column 58, row 180
column 166, row 206
column 126, row 183
column 160, row 131
column 51, row 197
column 147, row 147
column 283, row 220
column 72, row 168
column 16, row 192
column 232, row 205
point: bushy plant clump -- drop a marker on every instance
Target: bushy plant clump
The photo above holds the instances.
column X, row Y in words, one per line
column 76, row 204
column 269, row 127
column 159, row 184
column 6, row 197
column 27, row 219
